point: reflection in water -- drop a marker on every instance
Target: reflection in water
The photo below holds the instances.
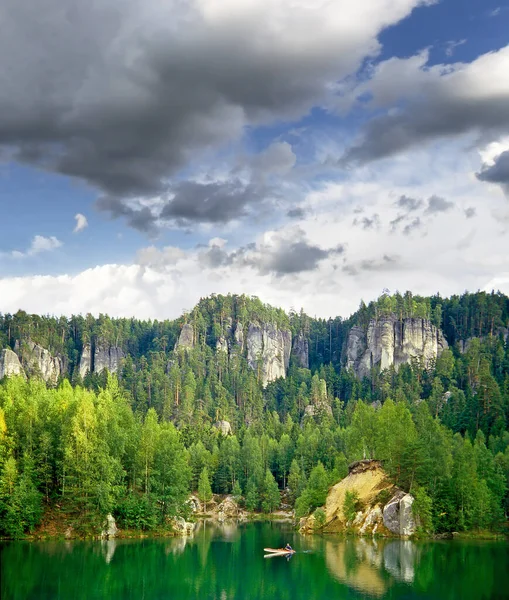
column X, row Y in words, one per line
column 224, row 563
column 108, row 547
column 371, row 566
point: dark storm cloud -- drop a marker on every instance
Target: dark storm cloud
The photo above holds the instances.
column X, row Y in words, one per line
column 498, row 172
column 392, row 133
column 123, row 94
column 142, row 219
column 294, row 257
column 433, row 102
column 282, row 256
column 216, row 202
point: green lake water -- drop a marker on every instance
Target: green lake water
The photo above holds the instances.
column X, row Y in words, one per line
column 227, row 562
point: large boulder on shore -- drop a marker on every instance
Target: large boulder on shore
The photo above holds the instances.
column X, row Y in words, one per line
column 382, row 509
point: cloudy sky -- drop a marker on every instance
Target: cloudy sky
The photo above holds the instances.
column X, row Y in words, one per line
column 310, row 152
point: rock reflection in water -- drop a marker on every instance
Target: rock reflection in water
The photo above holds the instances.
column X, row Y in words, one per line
column 108, row 549
column 369, row 566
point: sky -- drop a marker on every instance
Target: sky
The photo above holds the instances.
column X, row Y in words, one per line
column 310, row 152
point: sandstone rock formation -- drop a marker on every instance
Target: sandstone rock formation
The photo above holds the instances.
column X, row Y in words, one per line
column 398, row 516
column 40, row 362
column 390, row 341
column 368, row 479
column 85, row 365
column 110, row 527
column 300, row 351
column 238, row 336
column 186, row 337
column 224, row 427
column 107, row 357
column 101, row 356
column 268, row 351
column 9, row 364
column 182, row 527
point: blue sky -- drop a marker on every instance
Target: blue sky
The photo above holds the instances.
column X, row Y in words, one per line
column 247, row 147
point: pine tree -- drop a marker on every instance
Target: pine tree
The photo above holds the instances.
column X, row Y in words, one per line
column 204, row 489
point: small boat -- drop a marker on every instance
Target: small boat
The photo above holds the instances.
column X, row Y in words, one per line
column 278, row 551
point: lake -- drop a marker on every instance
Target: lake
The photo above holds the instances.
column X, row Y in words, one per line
column 227, row 562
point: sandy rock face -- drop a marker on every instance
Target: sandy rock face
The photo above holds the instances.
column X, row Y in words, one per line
column 389, row 341
column 9, row 364
column 368, row 479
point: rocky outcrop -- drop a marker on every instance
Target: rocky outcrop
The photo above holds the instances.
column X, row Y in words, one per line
column 268, row 351
column 107, row 357
column 224, row 427
column 221, row 344
column 389, row 341
column 110, row 528
column 398, row 516
column 300, row 351
column 99, row 357
column 182, row 527
column 186, row 337
column 238, row 337
column 85, row 365
column 40, row 362
column 375, row 515
column 9, row 364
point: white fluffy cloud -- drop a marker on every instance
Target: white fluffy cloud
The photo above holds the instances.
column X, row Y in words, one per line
column 325, row 262
column 39, row 244
column 81, row 223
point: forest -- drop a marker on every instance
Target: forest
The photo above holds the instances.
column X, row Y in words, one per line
column 135, row 443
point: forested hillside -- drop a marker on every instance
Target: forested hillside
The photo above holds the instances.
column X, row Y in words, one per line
column 103, row 415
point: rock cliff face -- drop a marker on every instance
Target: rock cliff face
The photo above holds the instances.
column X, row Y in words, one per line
column 186, row 337
column 9, row 364
column 107, row 357
column 268, row 350
column 85, row 365
column 390, row 341
column 102, row 357
column 40, row 361
column 368, row 479
column 300, row 351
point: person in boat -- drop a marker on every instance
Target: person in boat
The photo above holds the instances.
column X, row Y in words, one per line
column 289, row 548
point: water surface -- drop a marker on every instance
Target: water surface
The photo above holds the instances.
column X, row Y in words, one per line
column 227, row 562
